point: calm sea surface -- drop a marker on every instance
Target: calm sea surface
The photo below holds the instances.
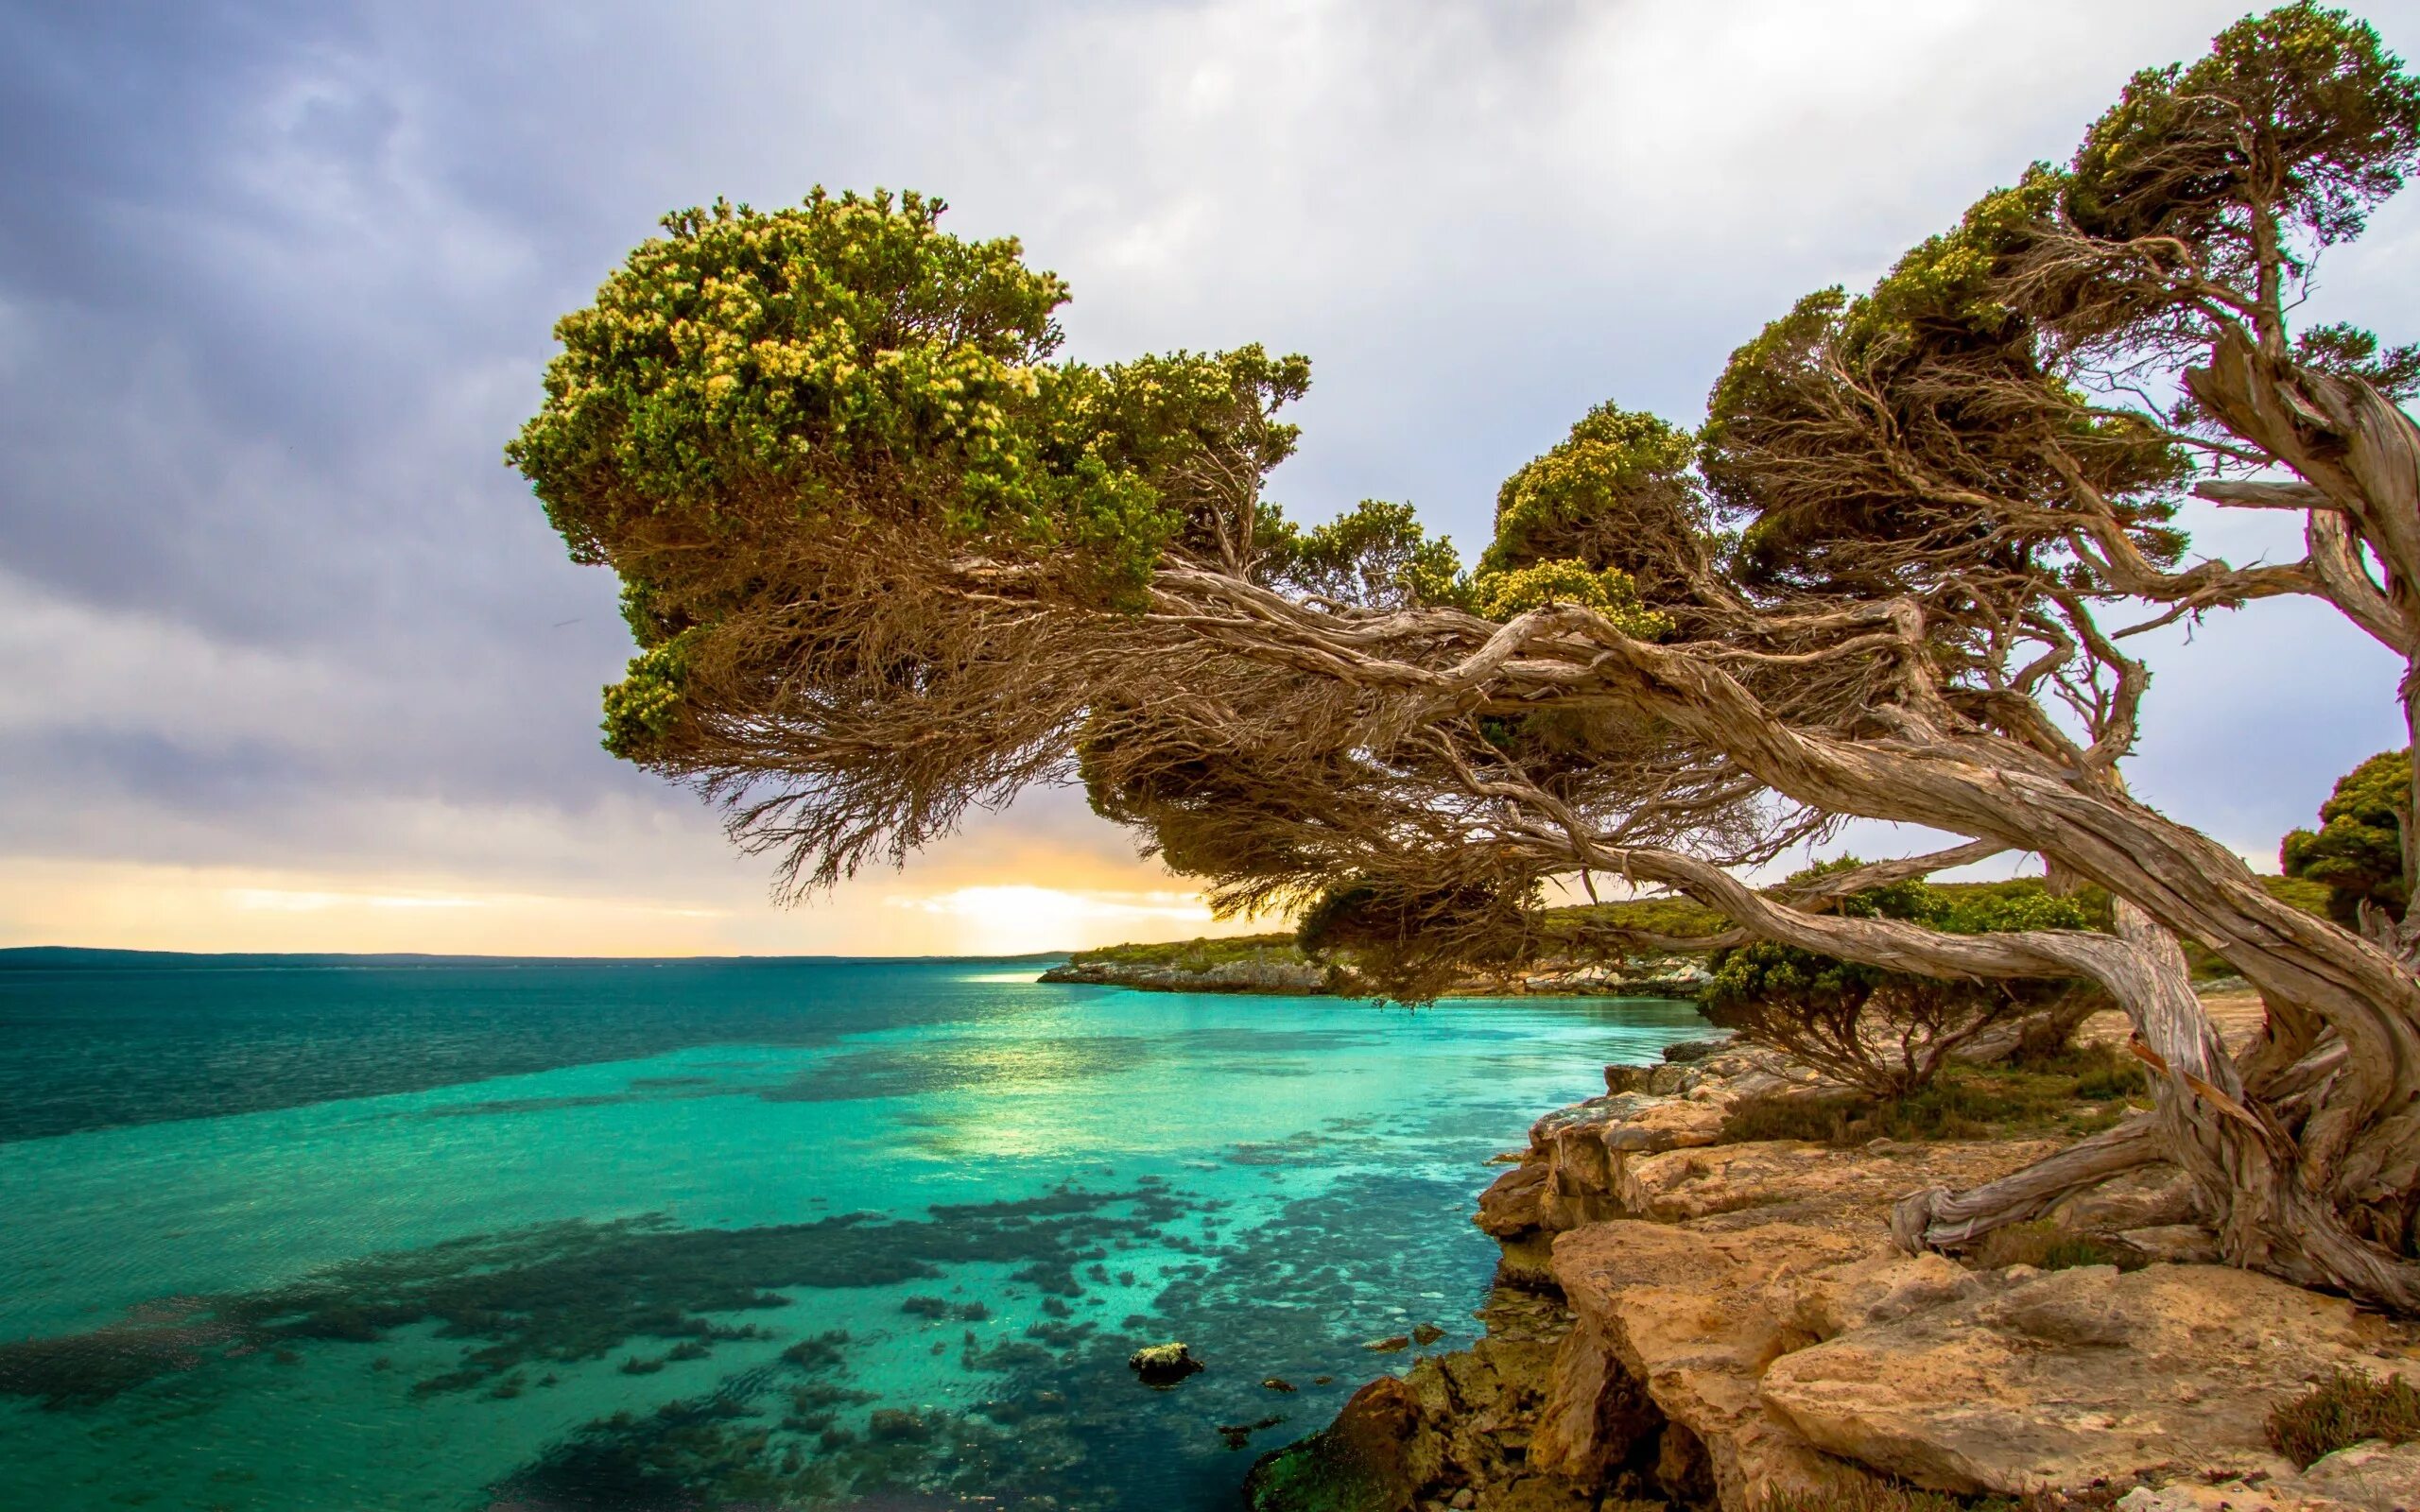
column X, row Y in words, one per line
column 335, row 1233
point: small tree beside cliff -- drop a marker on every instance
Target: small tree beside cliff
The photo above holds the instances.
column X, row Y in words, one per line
column 2361, row 851
column 887, row 556
column 1889, row 1033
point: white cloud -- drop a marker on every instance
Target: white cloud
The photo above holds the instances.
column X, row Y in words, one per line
column 274, row 608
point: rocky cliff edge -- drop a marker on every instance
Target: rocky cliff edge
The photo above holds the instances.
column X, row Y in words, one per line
column 1685, row 1323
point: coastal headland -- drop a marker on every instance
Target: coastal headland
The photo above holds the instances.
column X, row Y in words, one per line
column 1701, row 1305
column 1275, row 964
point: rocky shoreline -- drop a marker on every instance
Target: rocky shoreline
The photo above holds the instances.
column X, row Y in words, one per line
column 1685, row 1323
column 1681, row 979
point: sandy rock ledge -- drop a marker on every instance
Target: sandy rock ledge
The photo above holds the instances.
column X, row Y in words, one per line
column 1681, row 1323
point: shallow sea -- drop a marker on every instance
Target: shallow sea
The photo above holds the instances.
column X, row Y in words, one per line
column 325, row 1233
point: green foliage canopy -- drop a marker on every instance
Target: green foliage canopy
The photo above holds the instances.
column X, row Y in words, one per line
column 2357, row 852
column 1376, row 554
column 1581, row 500
column 753, row 386
column 2299, row 114
column 1837, row 1014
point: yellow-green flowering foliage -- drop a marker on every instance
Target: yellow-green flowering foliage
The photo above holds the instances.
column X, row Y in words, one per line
column 1501, row 595
column 1593, row 487
column 642, row 707
column 794, row 350
column 1809, row 430
column 1155, row 414
column 1140, row 437
column 753, row 377
column 1954, row 279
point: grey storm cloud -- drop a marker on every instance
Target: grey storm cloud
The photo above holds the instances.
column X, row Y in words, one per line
column 276, row 284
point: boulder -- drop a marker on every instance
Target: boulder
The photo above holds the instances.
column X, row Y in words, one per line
column 1596, row 1412
column 1632, row 1121
column 1454, row 1426
column 1879, row 1288
column 2073, row 1376
column 1163, row 1365
column 1374, row 1457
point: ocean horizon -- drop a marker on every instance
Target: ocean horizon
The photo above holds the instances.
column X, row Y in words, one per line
column 41, row 956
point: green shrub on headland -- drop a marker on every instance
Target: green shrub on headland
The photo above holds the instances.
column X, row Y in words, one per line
column 1199, row 954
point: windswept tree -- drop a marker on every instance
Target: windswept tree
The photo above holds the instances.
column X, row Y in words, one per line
column 887, row 556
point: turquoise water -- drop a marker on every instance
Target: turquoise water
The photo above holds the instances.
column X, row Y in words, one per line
column 331, row 1233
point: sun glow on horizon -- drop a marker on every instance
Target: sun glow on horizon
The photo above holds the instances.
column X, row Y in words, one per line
column 1000, row 915
column 132, row 905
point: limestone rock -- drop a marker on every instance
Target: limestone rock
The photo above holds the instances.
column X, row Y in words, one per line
column 1284, row 973
column 1374, row 1459
column 1456, row 1430
column 1740, row 1327
column 2065, row 1378
column 2231, row 1495
column 1627, row 1079
column 1687, row 1316
column 1631, row 1121
column 2175, row 1244
column 1695, row 1183
column 1512, row 1204
column 1595, row 1412
column 1879, row 1288
column 1271, row 977
column 2374, row 1476
column 1689, row 1050
column 1573, row 1173
column 1527, row 1262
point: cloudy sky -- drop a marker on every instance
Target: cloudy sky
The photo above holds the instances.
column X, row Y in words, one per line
column 288, row 659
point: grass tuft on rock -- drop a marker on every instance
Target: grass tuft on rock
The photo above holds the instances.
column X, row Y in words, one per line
column 2344, row 1410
